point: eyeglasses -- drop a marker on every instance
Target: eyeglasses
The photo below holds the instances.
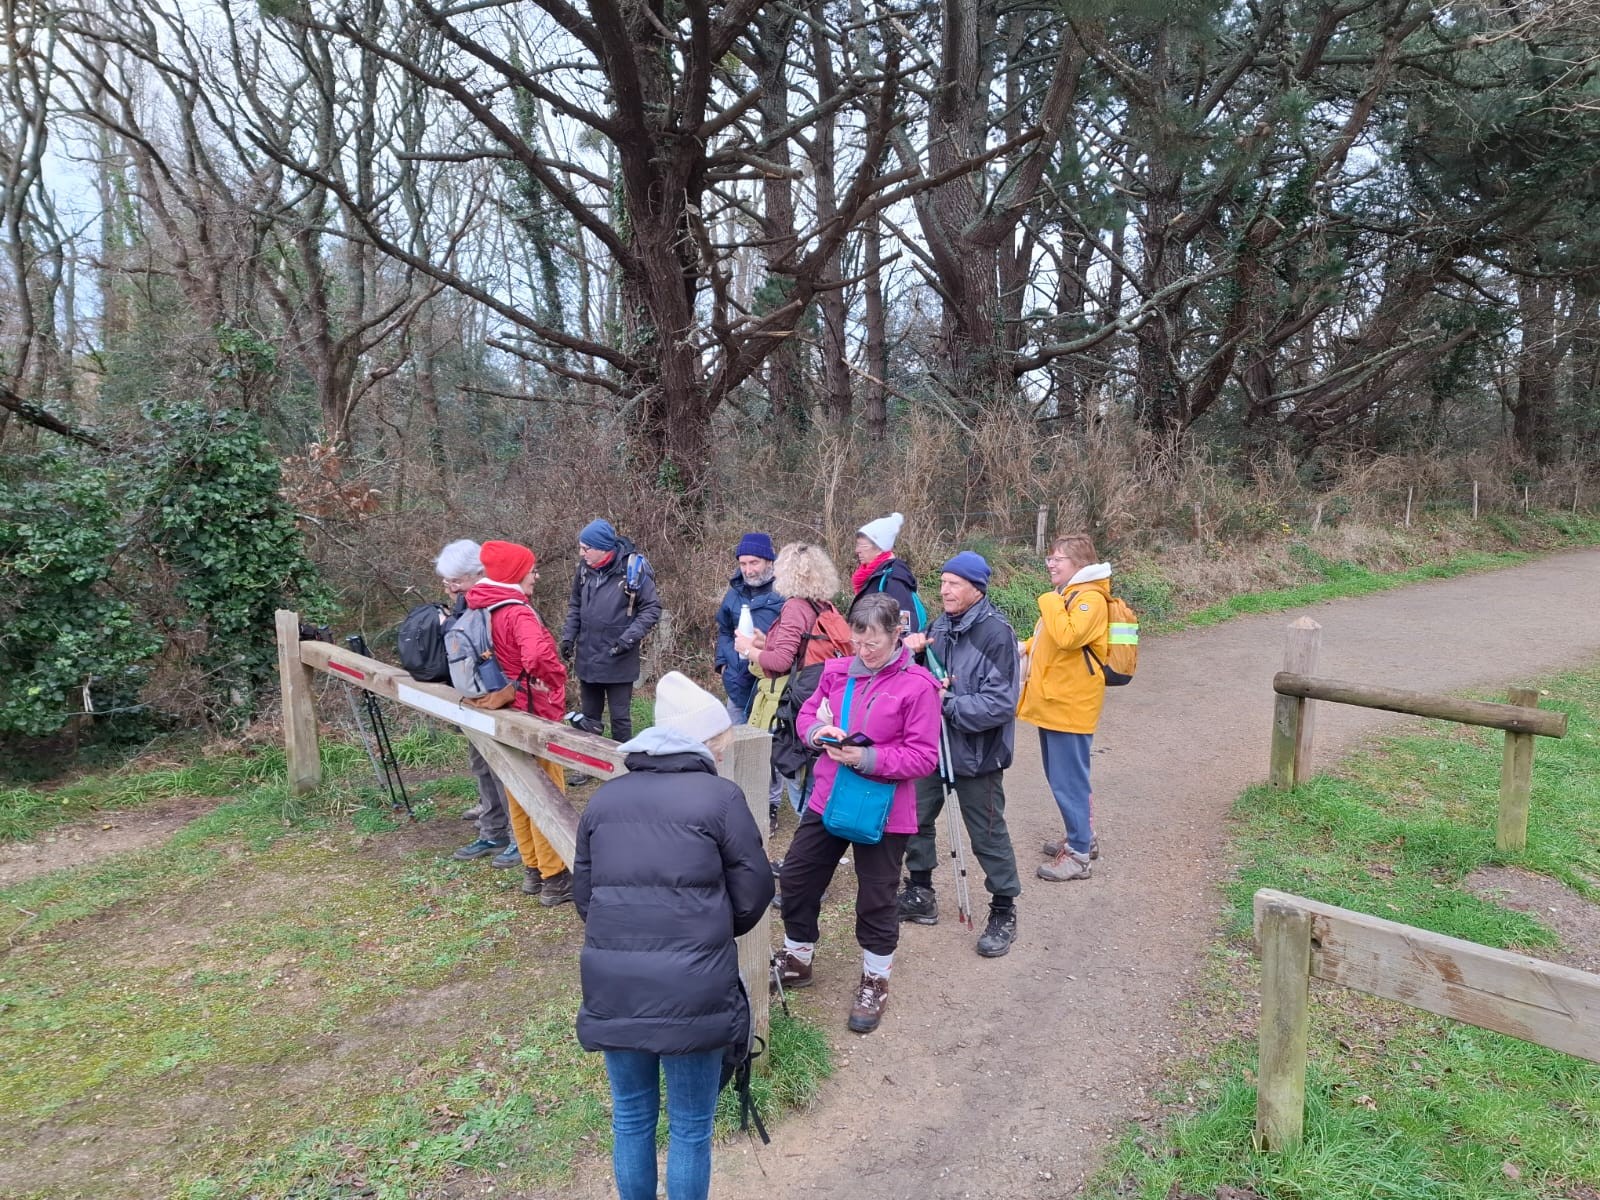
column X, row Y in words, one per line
column 869, row 643
column 1055, row 560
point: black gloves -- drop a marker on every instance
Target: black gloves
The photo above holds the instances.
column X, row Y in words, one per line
column 566, row 649
column 618, row 649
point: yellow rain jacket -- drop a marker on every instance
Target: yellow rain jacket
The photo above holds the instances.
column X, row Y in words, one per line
column 1061, row 691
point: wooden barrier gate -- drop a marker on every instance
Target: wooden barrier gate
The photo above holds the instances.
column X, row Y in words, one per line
column 1298, row 939
column 510, row 742
column 1520, row 717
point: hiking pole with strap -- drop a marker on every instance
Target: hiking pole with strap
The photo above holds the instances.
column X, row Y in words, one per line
column 375, row 739
column 952, row 801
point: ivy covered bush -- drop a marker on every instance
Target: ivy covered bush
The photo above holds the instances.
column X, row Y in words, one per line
column 146, row 579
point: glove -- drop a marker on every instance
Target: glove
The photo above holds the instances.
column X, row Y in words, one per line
column 566, row 649
column 618, row 649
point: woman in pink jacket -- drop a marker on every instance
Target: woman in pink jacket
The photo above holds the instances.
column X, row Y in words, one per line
column 875, row 714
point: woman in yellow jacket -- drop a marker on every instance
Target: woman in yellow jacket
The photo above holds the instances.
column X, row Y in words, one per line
column 1064, row 690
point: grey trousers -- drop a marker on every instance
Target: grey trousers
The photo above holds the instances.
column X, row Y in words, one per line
column 494, row 822
column 982, row 799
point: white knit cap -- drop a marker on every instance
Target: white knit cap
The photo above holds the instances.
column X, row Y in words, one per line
column 882, row 532
column 683, row 705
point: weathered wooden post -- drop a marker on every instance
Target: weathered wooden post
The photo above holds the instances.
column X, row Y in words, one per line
column 299, row 708
column 1040, row 528
column 748, row 762
column 1283, row 933
column 1293, row 716
column 1516, row 779
column 1474, row 499
column 1409, row 492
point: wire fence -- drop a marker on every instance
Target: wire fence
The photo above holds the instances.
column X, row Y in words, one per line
column 1031, row 523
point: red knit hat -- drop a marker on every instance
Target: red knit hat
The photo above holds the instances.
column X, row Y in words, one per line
column 506, row 562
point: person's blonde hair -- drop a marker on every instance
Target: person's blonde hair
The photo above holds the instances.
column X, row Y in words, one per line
column 805, row 572
column 1077, row 547
column 718, row 743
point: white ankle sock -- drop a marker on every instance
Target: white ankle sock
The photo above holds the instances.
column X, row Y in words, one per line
column 800, row 950
column 876, row 964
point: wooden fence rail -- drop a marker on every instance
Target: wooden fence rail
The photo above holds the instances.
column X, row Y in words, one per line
column 1520, row 717
column 1300, row 940
column 512, row 743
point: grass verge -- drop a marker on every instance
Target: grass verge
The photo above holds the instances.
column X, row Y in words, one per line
column 303, row 1000
column 1400, row 1103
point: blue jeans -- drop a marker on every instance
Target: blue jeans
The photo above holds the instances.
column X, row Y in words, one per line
column 1066, row 767
column 636, row 1103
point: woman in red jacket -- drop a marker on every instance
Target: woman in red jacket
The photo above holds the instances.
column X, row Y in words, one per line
column 526, row 652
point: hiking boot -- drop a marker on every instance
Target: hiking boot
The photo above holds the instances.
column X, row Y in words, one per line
column 473, row 813
column 1051, row 849
column 772, row 820
column 583, row 724
column 792, row 973
column 509, row 857
column 556, row 890
column 481, row 848
column 871, row 1000
column 999, row 933
column 532, row 881
column 1067, row 865
column 918, row 905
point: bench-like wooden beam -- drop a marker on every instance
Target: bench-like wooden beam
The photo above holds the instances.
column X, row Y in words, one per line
column 1511, row 717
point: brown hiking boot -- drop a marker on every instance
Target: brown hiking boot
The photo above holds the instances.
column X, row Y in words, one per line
column 871, row 1000
column 1051, row 849
column 556, row 890
column 790, row 971
column 532, row 881
column 1067, row 865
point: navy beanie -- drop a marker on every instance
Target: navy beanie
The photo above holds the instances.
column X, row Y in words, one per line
column 758, row 545
column 598, row 535
column 970, row 566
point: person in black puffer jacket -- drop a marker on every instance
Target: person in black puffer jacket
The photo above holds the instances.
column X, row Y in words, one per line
column 669, row 869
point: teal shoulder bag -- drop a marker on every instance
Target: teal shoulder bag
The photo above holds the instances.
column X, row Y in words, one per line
column 858, row 807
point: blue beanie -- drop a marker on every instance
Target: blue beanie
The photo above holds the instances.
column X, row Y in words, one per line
column 598, row 535
column 970, row 566
column 758, row 545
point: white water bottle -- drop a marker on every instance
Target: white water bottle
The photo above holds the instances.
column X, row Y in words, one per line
column 747, row 624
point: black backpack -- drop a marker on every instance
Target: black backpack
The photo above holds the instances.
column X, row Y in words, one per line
column 421, row 640
column 791, row 755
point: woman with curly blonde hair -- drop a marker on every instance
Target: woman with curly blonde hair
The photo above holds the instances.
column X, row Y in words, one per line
column 800, row 638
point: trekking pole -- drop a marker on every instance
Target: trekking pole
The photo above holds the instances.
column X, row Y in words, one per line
column 952, row 804
column 380, row 749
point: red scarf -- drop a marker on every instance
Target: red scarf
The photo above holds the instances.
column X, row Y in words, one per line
column 866, row 570
column 604, row 562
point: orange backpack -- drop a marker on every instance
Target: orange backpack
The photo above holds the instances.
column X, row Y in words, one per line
column 1122, row 652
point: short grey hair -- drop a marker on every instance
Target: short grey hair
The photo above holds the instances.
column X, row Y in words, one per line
column 459, row 560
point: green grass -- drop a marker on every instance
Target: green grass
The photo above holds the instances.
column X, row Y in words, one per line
column 352, row 1017
column 1400, row 1103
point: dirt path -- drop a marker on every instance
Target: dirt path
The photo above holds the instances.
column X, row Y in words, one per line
column 98, row 838
column 1006, row 1078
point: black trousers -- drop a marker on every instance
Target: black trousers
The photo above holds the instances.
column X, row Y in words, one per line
column 618, row 697
column 808, row 868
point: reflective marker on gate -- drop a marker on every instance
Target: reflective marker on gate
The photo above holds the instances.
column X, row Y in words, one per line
column 344, row 670
column 587, row 760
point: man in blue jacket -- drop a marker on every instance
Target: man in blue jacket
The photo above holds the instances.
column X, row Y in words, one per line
column 751, row 584
column 612, row 607
column 977, row 649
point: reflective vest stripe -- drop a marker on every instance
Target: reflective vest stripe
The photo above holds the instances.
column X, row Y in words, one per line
column 1124, row 634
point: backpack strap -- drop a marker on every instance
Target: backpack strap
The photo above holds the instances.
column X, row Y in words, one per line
column 1091, row 660
column 800, row 652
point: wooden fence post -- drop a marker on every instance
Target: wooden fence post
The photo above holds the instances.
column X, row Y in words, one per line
column 1516, row 779
column 1284, row 933
column 299, row 708
column 1293, row 717
column 748, row 762
column 1040, row 527
column 1409, row 492
column 1474, row 499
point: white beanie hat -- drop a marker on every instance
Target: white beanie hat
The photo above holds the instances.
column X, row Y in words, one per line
column 685, row 706
column 882, row 532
